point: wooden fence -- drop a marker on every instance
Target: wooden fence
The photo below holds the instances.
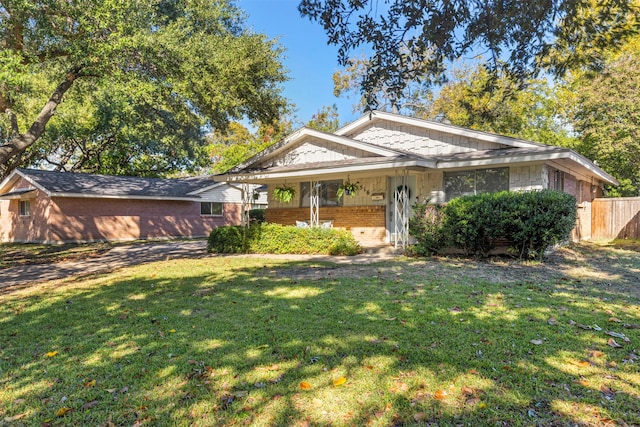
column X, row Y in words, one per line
column 613, row 219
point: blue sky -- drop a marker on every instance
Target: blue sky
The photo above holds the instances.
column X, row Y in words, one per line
column 310, row 61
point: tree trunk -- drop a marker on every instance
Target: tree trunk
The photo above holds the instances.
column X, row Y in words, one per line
column 21, row 142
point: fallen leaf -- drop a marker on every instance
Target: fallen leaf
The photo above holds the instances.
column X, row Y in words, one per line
column 440, row 394
column 89, row 384
column 584, row 364
column 90, row 405
column 552, row 321
column 613, row 343
column 52, row 354
column 596, row 353
column 15, row 417
column 110, row 390
column 124, row 389
column 473, row 372
column 63, row 411
column 419, row 416
column 467, row 391
column 606, row 391
column 305, row 385
column 618, row 335
column 399, row 387
column 172, row 331
column 536, row 342
column 615, row 319
column 339, row 381
column 390, row 319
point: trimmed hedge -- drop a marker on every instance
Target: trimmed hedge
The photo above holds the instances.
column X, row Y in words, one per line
column 530, row 221
column 280, row 239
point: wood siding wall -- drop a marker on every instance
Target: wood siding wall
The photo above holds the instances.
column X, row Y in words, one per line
column 616, row 218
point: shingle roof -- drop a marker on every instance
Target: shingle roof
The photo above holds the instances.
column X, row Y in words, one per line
column 115, row 186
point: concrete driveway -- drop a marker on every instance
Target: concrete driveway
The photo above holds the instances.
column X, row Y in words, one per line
column 125, row 255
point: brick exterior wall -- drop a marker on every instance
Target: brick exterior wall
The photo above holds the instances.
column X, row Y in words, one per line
column 86, row 219
column 366, row 223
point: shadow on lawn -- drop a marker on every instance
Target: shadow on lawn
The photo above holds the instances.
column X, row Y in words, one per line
column 217, row 346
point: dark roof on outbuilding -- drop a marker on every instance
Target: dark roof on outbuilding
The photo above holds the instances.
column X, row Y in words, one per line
column 58, row 183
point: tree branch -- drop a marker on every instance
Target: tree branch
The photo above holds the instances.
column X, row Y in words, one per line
column 20, row 142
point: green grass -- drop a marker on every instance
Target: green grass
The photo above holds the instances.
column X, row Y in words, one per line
column 228, row 341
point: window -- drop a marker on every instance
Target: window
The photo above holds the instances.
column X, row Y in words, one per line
column 211, row 208
column 25, row 208
column 464, row 183
column 328, row 193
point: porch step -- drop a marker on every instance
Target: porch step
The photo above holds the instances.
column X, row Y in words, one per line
column 381, row 249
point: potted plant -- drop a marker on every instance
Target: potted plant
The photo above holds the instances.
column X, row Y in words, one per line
column 348, row 188
column 284, row 193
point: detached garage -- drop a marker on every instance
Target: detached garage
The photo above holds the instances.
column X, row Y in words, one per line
column 55, row 207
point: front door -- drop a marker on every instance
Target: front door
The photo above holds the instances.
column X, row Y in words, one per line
column 402, row 193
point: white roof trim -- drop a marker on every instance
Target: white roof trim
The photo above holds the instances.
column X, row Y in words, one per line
column 441, row 127
column 125, row 196
column 207, row 188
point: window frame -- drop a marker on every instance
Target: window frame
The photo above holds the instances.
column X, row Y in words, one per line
column 473, row 174
column 211, row 210
column 24, row 208
column 328, row 195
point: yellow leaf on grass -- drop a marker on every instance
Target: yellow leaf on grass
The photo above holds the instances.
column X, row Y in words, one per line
column 584, row 364
column 63, row 411
column 172, row 330
column 305, row 385
column 52, row 353
column 88, row 384
column 339, row 381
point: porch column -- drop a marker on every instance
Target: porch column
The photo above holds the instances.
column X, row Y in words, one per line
column 314, row 203
column 247, row 196
column 400, row 211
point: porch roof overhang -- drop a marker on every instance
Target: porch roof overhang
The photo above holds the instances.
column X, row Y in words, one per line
column 563, row 158
column 18, row 194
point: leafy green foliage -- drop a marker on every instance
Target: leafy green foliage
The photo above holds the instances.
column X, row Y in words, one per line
column 412, row 41
column 145, row 67
column 478, row 99
column 257, row 215
column 284, row 193
column 605, row 114
column 280, row 239
column 326, row 119
column 530, row 222
column 426, row 227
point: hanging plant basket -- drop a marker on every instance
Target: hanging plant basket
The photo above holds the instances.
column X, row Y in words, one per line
column 348, row 189
column 284, row 193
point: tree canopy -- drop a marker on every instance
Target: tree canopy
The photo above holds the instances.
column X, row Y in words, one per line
column 412, row 41
column 604, row 111
column 141, row 82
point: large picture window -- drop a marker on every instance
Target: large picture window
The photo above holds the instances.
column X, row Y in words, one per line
column 211, row 209
column 328, row 193
column 464, row 183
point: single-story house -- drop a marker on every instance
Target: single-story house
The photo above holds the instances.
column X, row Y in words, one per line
column 54, row 207
column 397, row 160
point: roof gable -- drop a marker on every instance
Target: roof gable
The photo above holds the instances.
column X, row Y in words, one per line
column 307, row 143
column 425, row 136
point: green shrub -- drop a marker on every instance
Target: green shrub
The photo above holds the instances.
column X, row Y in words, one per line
column 530, row 221
column 540, row 219
column 280, row 239
column 426, row 227
column 256, row 215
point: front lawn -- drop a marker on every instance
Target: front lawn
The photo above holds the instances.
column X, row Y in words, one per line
column 250, row 341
